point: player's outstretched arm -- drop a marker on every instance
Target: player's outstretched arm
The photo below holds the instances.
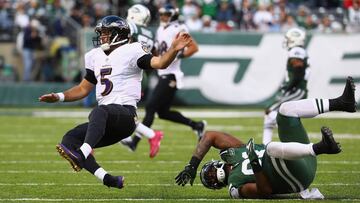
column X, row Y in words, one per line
column 161, row 62
column 210, row 139
column 75, row 93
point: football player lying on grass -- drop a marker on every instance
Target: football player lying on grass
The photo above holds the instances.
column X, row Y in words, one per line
column 259, row 171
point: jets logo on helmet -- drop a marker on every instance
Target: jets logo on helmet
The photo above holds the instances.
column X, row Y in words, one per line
column 294, row 37
column 139, row 14
column 111, row 30
column 213, row 175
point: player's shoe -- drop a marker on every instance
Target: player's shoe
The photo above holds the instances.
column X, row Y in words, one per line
column 199, row 129
column 128, row 143
column 114, row 181
column 346, row 102
column 328, row 143
column 155, row 143
column 74, row 157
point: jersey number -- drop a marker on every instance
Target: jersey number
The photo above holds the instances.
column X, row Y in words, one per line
column 162, row 48
column 245, row 166
column 105, row 81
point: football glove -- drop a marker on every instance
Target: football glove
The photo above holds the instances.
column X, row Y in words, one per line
column 188, row 174
column 253, row 157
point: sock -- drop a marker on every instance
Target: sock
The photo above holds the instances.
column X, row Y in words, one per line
column 289, row 150
column 144, row 130
column 136, row 139
column 85, row 149
column 100, row 174
column 305, row 108
column 269, row 125
column 267, row 135
column 192, row 124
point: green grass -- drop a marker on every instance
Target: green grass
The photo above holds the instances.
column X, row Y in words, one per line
column 31, row 169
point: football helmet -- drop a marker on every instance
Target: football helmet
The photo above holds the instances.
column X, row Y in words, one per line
column 139, row 14
column 111, row 30
column 213, row 175
column 294, row 37
column 170, row 11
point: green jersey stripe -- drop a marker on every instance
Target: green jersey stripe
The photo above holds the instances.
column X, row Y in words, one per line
column 297, row 182
column 273, row 161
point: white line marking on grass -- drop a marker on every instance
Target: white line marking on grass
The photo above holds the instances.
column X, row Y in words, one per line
column 337, row 136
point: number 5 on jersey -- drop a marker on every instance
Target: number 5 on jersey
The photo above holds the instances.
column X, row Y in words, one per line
column 105, row 81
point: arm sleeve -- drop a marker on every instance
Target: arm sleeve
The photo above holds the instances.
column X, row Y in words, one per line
column 144, row 62
column 90, row 76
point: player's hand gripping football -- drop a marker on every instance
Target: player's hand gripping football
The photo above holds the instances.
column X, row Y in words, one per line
column 188, row 174
column 181, row 40
column 49, row 98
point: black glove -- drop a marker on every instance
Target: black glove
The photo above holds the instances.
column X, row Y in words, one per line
column 188, row 174
column 253, row 157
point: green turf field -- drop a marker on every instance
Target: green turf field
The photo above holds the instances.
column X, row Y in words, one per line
column 31, row 169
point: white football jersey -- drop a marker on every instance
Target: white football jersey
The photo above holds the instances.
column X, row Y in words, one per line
column 164, row 37
column 118, row 75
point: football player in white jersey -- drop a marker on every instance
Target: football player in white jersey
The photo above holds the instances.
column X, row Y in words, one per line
column 138, row 18
column 115, row 70
column 294, row 87
column 170, row 80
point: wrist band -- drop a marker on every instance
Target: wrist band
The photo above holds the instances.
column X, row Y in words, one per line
column 61, row 96
column 195, row 162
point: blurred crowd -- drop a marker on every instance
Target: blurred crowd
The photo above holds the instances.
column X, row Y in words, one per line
column 272, row 15
column 46, row 32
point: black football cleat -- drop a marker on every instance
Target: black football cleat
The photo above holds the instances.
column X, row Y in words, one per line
column 346, row 102
column 329, row 145
column 200, row 128
column 114, row 181
column 74, row 157
column 129, row 144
